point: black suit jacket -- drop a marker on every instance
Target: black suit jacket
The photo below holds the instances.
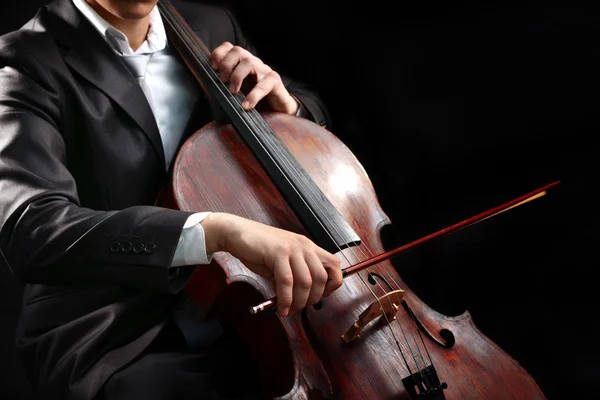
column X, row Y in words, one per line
column 81, row 163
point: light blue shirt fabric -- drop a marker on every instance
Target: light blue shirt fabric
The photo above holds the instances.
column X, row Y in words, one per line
column 172, row 94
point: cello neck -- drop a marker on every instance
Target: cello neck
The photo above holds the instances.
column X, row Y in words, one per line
column 320, row 218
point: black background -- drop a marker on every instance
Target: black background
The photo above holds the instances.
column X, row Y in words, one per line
column 452, row 110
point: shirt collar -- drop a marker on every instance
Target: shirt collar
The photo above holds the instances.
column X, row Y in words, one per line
column 156, row 39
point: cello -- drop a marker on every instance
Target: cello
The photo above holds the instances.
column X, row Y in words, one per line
column 373, row 338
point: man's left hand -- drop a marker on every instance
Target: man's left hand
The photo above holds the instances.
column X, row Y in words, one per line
column 241, row 70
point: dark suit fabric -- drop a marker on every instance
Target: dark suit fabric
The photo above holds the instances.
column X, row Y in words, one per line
column 168, row 369
column 81, row 164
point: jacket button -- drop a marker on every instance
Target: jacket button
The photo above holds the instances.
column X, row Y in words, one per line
column 114, row 246
column 126, row 247
column 149, row 248
column 138, row 248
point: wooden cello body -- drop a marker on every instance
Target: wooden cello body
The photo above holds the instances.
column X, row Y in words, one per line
column 371, row 339
column 305, row 356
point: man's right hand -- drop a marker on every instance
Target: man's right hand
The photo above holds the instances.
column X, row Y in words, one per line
column 302, row 271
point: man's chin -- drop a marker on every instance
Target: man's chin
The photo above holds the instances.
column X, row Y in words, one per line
column 135, row 12
column 124, row 9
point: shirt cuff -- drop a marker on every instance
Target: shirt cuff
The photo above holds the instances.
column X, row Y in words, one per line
column 191, row 249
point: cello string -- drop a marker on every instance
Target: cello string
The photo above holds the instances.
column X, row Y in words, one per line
column 421, row 336
column 253, row 121
column 412, row 316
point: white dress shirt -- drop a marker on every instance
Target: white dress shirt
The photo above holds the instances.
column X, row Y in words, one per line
column 172, row 96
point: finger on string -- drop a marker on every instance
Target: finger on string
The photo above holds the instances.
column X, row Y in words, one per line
column 241, row 72
column 262, row 88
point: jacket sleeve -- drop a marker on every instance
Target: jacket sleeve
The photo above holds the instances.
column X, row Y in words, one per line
column 309, row 99
column 46, row 236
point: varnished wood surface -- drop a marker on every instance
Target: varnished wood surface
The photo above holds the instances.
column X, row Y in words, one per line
column 306, row 357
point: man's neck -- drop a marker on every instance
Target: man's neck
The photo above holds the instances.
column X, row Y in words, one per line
column 136, row 30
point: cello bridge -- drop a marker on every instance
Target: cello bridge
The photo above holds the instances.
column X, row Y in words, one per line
column 386, row 305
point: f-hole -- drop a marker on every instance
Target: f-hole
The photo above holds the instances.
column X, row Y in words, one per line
column 447, row 335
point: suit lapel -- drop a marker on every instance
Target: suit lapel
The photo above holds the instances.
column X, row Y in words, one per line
column 91, row 57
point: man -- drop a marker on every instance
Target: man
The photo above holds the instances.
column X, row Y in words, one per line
column 94, row 103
